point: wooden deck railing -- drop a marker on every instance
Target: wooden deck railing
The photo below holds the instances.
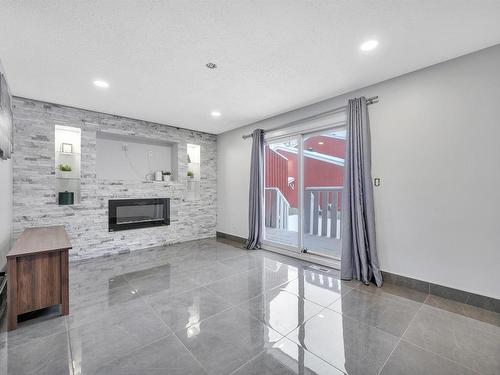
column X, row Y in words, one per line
column 321, row 203
column 277, row 209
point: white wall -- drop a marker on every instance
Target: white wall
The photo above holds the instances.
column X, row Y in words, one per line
column 5, row 204
column 435, row 144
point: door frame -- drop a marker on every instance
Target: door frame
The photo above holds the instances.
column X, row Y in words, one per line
column 298, row 133
column 302, row 182
column 280, row 246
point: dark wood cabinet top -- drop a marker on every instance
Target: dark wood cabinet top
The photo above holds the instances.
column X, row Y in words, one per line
column 40, row 240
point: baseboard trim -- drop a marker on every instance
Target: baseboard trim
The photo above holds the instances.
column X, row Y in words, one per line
column 230, row 237
column 476, row 300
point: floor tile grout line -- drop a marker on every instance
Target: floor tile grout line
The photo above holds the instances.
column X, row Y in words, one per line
column 71, row 360
column 329, row 307
column 338, row 299
column 96, row 319
column 232, row 306
column 388, row 296
column 34, row 339
column 128, row 352
column 233, row 275
column 221, row 297
column 310, row 300
column 115, row 358
column 323, row 308
column 161, row 291
column 285, row 337
column 172, row 332
column 223, row 278
column 354, row 319
column 400, row 338
column 463, row 314
column 237, row 305
column 250, row 360
column 191, row 354
column 442, row 357
column 265, row 291
column 430, row 351
column 144, row 301
column 357, row 287
column 144, row 297
column 370, row 325
column 308, row 350
column 305, row 321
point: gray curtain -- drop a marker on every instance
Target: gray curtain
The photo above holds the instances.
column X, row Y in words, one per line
column 359, row 253
column 256, row 191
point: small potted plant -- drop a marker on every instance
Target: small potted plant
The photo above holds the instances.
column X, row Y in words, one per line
column 190, row 175
column 167, row 176
column 65, row 168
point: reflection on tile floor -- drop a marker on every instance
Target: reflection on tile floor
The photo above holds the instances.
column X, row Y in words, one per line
column 208, row 307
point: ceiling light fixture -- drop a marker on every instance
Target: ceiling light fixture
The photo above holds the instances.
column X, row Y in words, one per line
column 321, row 143
column 101, row 84
column 369, row 45
column 216, row 114
column 211, row 65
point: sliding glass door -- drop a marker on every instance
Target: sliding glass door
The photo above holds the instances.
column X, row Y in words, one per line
column 281, row 203
column 323, row 180
column 304, row 177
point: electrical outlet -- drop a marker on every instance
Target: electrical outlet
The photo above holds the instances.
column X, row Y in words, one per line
column 124, row 147
column 376, row 181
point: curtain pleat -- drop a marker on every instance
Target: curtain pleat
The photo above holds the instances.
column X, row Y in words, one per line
column 359, row 259
column 256, row 192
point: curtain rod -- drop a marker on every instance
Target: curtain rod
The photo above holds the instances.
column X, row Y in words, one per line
column 371, row 100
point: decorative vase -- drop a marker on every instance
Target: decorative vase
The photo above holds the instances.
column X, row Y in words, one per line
column 66, row 197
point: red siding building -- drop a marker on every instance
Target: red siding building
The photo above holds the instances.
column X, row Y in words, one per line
column 323, row 165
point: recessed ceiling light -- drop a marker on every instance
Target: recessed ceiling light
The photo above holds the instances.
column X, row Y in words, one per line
column 321, row 143
column 211, row 65
column 101, row 84
column 369, row 45
column 216, row 114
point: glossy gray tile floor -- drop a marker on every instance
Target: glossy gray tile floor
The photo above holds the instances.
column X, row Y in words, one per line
column 208, row 307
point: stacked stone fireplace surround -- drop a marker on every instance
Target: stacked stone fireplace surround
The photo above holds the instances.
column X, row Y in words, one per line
column 87, row 222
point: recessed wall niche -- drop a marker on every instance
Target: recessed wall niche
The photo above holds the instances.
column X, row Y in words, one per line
column 133, row 158
column 194, row 171
column 67, row 142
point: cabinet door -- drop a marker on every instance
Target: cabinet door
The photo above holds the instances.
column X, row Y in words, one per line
column 38, row 281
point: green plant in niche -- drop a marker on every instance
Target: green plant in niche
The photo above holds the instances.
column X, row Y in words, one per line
column 190, row 174
column 65, row 168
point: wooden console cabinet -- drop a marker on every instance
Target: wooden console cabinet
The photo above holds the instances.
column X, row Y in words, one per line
column 37, row 271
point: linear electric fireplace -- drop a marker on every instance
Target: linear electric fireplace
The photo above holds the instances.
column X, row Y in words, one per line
column 138, row 213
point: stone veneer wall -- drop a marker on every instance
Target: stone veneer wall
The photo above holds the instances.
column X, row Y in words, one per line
column 87, row 222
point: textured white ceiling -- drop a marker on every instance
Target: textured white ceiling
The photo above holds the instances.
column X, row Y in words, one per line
column 272, row 55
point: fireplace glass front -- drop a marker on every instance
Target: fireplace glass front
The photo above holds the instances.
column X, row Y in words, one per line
column 138, row 213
